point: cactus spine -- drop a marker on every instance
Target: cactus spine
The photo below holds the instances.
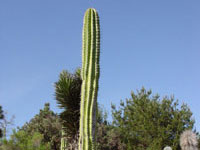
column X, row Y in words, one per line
column 90, row 77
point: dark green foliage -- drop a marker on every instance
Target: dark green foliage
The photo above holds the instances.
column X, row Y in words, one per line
column 146, row 122
column 102, row 128
column 67, row 92
column 1, row 117
column 47, row 124
column 198, row 137
column 107, row 137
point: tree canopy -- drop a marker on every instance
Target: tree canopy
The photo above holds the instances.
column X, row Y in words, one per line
column 47, row 124
column 148, row 122
column 21, row 140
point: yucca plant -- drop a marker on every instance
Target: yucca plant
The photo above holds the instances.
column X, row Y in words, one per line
column 67, row 92
column 90, row 78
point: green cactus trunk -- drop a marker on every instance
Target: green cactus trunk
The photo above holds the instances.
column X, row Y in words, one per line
column 64, row 144
column 90, row 78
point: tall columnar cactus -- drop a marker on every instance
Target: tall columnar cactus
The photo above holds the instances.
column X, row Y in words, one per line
column 90, row 77
column 188, row 140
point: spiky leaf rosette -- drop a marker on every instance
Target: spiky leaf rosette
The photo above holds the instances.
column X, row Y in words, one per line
column 67, row 92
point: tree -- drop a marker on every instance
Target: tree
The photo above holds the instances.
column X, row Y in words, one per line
column 107, row 138
column 47, row 124
column 1, row 117
column 67, row 92
column 6, row 124
column 21, row 140
column 146, row 122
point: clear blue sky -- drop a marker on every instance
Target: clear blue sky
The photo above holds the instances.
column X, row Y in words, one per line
column 150, row 43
